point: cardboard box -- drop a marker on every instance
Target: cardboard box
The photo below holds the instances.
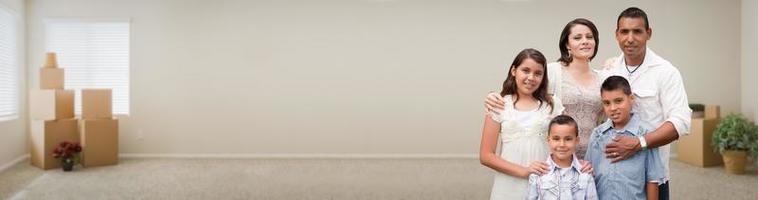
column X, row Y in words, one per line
column 99, row 142
column 46, row 135
column 712, row 112
column 97, row 104
column 695, row 148
column 51, row 104
column 51, row 78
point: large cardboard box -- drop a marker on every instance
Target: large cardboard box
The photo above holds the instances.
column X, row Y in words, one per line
column 99, row 142
column 51, row 78
column 695, row 148
column 97, row 104
column 46, row 135
column 712, row 112
column 51, row 104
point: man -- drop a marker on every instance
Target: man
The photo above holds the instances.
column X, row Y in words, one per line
column 658, row 87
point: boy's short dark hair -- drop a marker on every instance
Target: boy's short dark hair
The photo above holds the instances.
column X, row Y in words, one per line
column 563, row 120
column 615, row 83
column 633, row 12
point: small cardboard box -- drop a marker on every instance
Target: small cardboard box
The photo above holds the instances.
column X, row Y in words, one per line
column 46, row 135
column 51, row 78
column 50, row 60
column 51, row 104
column 99, row 142
column 695, row 148
column 97, row 104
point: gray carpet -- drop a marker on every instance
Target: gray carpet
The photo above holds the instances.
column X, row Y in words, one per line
column 311, row 179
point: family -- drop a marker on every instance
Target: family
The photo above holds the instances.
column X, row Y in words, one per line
column 567, row 131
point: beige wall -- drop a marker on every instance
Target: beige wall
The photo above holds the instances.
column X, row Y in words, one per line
column 361, row 77
column 13, row 140
column 749, row 59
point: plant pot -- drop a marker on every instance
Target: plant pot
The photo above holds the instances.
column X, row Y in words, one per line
column 68, row 164
column 734, row 161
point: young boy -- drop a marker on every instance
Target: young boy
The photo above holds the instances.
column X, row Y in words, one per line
column 564, row 179
column 636, row 177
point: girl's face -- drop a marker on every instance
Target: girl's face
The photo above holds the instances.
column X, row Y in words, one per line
column 581, row 42
column 528, row 76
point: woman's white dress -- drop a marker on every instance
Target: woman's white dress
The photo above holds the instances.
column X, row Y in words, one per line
column 523, row 141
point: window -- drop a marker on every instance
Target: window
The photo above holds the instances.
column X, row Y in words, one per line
column 95, row 54
column 9, row 86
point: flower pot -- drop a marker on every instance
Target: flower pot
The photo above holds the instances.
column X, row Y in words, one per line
column 68, row 164
column 734, row 161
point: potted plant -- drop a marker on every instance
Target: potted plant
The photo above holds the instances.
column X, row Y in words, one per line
column 68, row 154
column 735, row 138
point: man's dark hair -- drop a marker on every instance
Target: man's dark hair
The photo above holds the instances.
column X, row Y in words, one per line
column 563, row 120
column 615, row 83
column 633, row 12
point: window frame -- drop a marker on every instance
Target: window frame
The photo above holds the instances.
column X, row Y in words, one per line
column 127, row 87
column 15, row 68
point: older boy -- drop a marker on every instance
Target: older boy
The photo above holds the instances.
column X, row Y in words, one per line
column 636, row 177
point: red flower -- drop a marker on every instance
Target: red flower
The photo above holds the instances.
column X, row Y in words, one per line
column 67, row 150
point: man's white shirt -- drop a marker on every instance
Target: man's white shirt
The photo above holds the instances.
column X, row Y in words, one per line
column 659, row 95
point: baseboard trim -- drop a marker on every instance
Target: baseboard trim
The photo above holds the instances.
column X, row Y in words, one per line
column 304, row 156
column 14, row 162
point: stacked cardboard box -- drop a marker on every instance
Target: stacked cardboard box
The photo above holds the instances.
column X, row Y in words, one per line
column 52, row 115
column 98, row 129
column 695, row 148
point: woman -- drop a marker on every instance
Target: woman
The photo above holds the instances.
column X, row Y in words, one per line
column 572, row 80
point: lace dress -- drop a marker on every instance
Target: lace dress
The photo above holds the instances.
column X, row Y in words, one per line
column 522, row 135
column 583, row 104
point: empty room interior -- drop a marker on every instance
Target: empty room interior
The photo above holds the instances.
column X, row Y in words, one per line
column 369, row 99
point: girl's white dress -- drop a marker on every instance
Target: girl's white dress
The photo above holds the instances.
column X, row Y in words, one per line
column 523, row 141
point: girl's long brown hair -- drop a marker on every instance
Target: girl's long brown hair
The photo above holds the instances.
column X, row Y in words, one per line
column 509, row 86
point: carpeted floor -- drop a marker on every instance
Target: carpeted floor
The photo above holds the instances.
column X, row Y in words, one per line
column 312, row 179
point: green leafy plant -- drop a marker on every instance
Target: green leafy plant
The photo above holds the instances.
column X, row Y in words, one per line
column 735, row 133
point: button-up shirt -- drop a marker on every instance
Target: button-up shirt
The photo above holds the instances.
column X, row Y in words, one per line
column 562, row 183
column 660, row 95
column 628, row 178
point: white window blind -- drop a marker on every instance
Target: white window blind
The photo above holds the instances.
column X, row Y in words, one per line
column 94, row 54
column 9, row 90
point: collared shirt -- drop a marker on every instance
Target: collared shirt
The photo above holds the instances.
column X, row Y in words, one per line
column 625, row 179
column 561, row 183
column 660, row 95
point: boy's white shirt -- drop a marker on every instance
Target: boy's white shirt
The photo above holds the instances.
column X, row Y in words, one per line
column 659, row 95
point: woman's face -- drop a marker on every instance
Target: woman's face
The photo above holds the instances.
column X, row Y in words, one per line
column 528, row 76
column 581, row 42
